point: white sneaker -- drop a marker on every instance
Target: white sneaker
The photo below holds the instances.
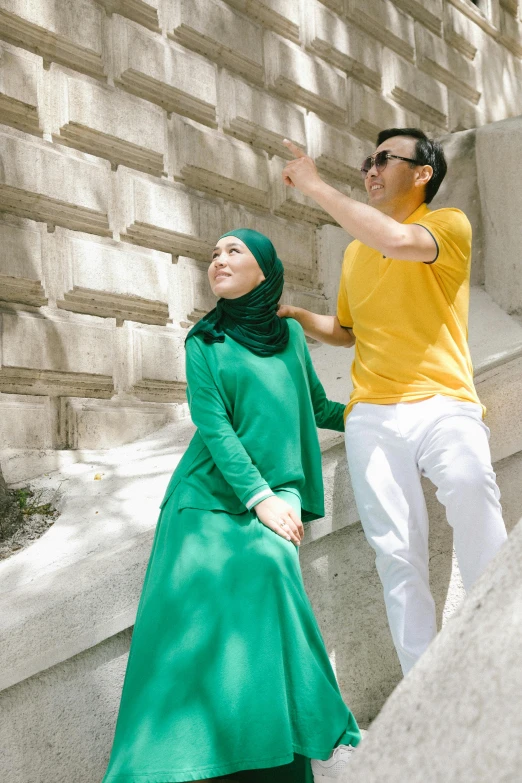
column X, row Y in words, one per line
column 334, row 766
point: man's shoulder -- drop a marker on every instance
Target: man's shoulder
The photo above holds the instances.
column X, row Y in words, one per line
column 448, row 218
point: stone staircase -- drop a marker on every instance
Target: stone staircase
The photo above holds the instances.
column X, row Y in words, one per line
column 68, row 601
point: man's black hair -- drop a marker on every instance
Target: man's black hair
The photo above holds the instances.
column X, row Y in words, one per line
column 427, row 153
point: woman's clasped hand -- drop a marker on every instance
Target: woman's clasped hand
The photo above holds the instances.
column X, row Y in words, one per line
column 280, row 517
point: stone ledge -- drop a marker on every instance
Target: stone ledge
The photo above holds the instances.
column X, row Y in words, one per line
column 439, row 60
column 304, row 79
column 369, row 112
column 260, row 119
column 108, row 123
column 213, row 29
column 281, row 17
column 470, row 10
column 428, row 12
column 22, row 290
column 118, row 306
column 162, row 72
column 40, row 182
column 54, row 46
column 166, row 217
column 23, row 380
column 140, row 11
column 112, row 280
column 460, row 32
column 394, row 29
column 103, row 424
column 353, row 52
column 158, row 372
column 416, row 91
column 20, row 88
column 216, row 164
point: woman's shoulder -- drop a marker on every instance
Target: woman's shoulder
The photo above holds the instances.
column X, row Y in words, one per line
column 296, row 330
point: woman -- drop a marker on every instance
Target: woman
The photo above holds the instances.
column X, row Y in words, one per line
column 228, row 674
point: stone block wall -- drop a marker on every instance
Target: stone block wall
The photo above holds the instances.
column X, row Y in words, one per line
column 134, row 132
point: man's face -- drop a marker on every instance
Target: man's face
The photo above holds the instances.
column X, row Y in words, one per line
column 396, row 182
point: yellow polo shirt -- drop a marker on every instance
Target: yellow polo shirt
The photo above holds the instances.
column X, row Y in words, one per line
column 410, row 319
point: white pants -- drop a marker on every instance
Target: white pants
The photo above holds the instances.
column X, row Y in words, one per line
column 389, row 448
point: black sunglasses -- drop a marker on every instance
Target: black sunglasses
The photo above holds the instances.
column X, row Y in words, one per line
column 380, row 159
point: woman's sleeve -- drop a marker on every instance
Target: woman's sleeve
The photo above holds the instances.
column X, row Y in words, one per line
column 209, row 414
column 329, row 415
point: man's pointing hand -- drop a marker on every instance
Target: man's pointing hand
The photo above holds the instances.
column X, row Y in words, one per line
column 300, row 173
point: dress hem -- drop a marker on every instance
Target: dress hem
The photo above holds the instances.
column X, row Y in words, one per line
column 212, row 772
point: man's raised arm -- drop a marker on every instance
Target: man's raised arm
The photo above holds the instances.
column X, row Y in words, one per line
column 324, row 328
column 372, row 227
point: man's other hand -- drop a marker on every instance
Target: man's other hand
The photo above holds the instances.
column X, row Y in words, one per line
column 285, row 311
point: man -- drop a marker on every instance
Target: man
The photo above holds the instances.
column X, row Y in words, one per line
column 403, row 301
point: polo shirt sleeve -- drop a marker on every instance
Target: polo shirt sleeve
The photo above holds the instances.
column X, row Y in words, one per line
column 451, row 230
column 343, row 307
column 210, row 415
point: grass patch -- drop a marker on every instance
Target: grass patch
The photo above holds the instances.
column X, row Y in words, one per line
column 25, row 514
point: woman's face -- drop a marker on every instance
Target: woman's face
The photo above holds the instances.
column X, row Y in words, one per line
column 233, row 270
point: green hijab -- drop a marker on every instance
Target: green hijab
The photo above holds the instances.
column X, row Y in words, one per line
column 251, row 320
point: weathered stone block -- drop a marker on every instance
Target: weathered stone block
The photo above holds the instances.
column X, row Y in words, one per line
column 294, row 242
column 384, row 22
column 501, row 199
column 103, row 424
column 307, row 80
column 159, row 364
column 337, row 152
column 215, row 30
column 113, row 280
column 194, row 297
column 343, row 45
column 334, row 5
column 21, row 262
column 511, row 32
column 218, row 165
column 261, row 119
column 415, row 91
column 281, row 16
column 166, row 217
column 461, row 32
column 56, row 355
column 462, row 114
column 164, row 73
column 62, row 32
column 19, row 97
column 57, row 186
column 369, row 113
column 499, row 67
column 25, row 422
column 460, row 189
column 488, row 22
column 332, row 242
column 428, row 12
column 108, row 123
column 437, row 58
column 144, row 12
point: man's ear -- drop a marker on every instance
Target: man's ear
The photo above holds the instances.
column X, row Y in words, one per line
column 423, row 176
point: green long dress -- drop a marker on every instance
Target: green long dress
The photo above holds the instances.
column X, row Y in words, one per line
column 228, row 674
